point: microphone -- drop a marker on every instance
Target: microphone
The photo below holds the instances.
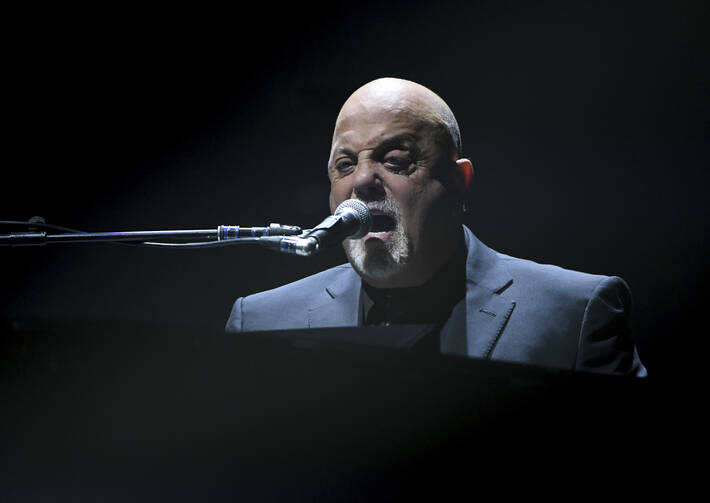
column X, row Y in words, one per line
column 350, row 220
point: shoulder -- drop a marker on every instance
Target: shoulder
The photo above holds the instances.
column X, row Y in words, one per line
column 287, row 303
column 569, row 296
column 530, row 281
column 316, row 282
column 551, row 281
column 573, row 319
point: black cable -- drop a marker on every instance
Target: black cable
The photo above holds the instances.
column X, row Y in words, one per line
column 206, row 244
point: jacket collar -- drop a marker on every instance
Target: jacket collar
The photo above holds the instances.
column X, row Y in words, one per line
column 340, row 304
column 487, row 311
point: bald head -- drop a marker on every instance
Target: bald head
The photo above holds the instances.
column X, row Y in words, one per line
column 393, row 95
column 396, row 147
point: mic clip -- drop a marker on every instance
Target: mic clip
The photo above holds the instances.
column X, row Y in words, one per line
column 303, row 245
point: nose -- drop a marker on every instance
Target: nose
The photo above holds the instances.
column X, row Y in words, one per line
column 368, row 184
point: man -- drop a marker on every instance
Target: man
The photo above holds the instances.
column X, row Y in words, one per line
column 397, row 147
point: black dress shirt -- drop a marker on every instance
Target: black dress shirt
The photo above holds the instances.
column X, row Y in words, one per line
column 437, row 304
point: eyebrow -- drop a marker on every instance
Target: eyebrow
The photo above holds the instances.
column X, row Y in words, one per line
column 398, row 140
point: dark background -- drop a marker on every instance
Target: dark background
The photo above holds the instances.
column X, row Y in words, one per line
column 586, row 122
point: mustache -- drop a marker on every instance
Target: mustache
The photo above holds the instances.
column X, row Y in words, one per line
column 387, row 206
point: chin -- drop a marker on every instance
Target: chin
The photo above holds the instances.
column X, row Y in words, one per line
column 377, row 258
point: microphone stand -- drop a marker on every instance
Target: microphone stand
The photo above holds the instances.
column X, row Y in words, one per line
column 222, row 235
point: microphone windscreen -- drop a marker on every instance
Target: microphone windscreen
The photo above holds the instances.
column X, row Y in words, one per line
column 361, row 211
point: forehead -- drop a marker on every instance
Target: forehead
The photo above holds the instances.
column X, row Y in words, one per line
column 363, row 126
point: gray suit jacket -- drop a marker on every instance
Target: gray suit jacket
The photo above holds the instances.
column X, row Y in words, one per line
column 515, row 310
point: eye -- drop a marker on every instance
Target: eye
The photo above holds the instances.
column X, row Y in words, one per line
column 397, row 163
column 344, row 165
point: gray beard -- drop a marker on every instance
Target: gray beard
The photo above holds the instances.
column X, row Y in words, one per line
column 378, row 259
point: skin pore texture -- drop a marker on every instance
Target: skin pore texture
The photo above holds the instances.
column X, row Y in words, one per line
column 396, row 147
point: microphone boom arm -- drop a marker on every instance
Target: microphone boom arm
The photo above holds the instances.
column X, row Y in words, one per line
column 224, row 234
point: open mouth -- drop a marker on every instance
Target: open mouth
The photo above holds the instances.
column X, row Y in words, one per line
column 382, row 223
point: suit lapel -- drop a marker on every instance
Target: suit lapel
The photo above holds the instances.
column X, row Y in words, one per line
column 339, row 305
column 486, row 316
column 487, row 311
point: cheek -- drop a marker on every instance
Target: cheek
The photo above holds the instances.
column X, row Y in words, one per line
column 339, row 192
column 413, row 205
column 425, row 207
column 331, row 202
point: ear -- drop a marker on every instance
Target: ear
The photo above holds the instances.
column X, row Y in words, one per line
column 466, row 168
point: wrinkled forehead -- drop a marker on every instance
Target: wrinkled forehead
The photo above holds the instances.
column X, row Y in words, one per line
column 379, row 101
column 365, row 121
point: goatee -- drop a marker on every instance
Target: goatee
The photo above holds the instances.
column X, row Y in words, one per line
column 376, row 258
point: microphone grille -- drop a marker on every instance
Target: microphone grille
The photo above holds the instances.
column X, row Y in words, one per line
column 362, row 212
